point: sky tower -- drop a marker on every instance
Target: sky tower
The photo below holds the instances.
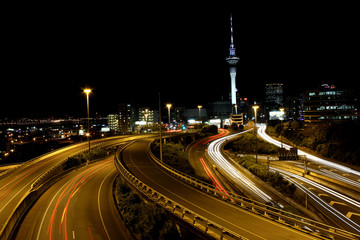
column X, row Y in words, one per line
column 232, row 61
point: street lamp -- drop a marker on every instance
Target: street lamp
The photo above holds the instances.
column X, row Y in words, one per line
column 169, row 105
column 199, row 107
column 281, row 120
column 255, row 107
column 88, row 91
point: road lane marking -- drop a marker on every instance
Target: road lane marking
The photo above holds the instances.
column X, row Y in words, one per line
column 47, row 209
column 73, row 233
column 335, row 202
column 99, row 208
column 349, row 214
column 323, row 194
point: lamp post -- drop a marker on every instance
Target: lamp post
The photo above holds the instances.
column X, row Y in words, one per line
column 255, row 107
column 160, row 130
column 169, row 106
column 281, row 120
column 199, row 107
column 88, row 91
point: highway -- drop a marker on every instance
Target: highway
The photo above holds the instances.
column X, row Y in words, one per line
column 321, row 161
column 333, row 205
column 245, row 223
column 339, row 209
column 202, row 167
column 16, row 184
column 78, row 206
column 234, row 174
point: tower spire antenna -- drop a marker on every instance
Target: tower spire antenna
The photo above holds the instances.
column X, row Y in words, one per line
column 232, row 47
column 231, row 31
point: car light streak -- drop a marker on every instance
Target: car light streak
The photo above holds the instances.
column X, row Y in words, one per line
column 217, row 185
column 333, row 175
column 340, row 178
column 72, row 187
column 262, row 134
column 290, row 177
column 221, row 162
column 222, row 133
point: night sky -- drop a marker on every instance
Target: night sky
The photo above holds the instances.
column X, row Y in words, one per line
column 130, row 53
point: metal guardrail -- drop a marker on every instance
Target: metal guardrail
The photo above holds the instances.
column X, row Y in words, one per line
column 306, row 225
column 201, row 223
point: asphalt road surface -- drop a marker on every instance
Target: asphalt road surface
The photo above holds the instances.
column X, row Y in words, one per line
column 79, row 206
column 17, row 183
column 243, row 222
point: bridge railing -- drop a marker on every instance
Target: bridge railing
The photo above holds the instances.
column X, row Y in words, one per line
column 292, row 220
column 201, row 223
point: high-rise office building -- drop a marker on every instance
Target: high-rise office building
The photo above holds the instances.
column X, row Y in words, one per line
column 113, row 122
column 329, row 104
column 126, row 117
column 274, row 94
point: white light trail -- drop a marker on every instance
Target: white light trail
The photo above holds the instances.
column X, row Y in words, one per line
column 262, row 134
column 340, row 178
column 221, row 162
column 333, row 175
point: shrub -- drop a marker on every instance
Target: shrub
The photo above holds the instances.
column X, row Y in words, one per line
column 247, row 143
column 174, row 156
column 146, row 219
column 273, row 178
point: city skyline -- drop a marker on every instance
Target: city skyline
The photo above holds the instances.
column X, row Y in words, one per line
column 48, row 63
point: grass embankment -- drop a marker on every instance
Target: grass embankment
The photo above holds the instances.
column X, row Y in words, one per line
column 145, row 219
column 83, row 157
column 174, row 155
column 273, row 178
column 248, row 143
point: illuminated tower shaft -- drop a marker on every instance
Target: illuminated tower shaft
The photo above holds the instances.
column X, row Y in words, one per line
column 232, row 61
column 233, row 85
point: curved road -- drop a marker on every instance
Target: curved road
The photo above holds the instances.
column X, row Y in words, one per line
column 203, row 168
column 245, row 223
column 340, row 210
column 79, row 206
column 17, row 183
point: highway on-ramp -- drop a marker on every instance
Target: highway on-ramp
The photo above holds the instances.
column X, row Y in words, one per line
column 245, row 223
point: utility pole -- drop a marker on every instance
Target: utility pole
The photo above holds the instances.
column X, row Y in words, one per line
column 161, row 158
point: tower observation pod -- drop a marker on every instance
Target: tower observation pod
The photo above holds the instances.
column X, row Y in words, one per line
column 232, row 61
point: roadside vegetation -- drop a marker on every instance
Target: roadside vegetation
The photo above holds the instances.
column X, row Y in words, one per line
column 206, row 131
column 174, row 155
column 83, row 157
column 145, row 219
column 273, row 178
column 339, row 141
column 248, row 142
